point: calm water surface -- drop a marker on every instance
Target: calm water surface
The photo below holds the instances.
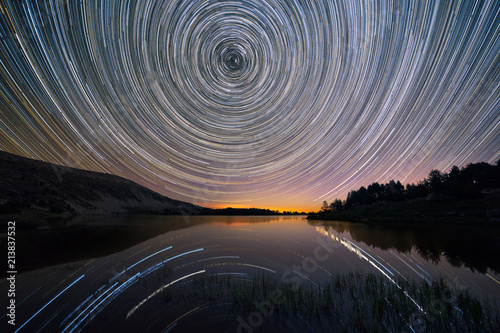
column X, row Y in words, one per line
column 128, row 268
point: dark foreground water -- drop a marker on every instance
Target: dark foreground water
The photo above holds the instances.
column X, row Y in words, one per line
column 137, row 274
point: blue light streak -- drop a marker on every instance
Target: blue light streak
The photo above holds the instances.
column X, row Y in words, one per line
column 81, row 277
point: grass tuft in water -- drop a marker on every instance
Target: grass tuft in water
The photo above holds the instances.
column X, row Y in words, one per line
column 348, row 302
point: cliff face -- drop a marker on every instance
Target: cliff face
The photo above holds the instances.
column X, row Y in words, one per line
column 33, row 185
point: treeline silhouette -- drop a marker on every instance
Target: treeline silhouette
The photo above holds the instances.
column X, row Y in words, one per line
column 246, row 211
column 465, row 183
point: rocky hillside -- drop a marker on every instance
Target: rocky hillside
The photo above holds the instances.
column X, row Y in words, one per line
column 31, row 187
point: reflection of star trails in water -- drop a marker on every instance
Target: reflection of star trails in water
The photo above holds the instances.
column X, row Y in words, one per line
column 159, row 290
column 491, row 277
column 47, row 304
column 108, row 292
column 265, row 103
column 362, row 254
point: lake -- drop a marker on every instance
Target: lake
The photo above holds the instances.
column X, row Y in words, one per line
column 137, row 274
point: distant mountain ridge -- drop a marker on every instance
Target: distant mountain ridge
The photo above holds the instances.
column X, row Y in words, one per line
column 35, row 186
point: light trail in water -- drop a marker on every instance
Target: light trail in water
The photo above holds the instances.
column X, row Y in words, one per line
column 491, row 277
column 371, row 257
column 159, row 290
column 47, row 304
column 137, row 263
column 256, row 266
column 90, row 311
column 359, row 252
column 77, row 309
column 175, row 321
column 24, row 299
column 88, row 307
column 404, row 262
column 106, row 301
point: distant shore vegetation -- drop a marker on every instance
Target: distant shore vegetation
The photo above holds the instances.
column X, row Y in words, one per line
column 460, row 185
column 229, row 211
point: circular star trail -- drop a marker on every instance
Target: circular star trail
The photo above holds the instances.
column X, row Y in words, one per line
column 257, row 103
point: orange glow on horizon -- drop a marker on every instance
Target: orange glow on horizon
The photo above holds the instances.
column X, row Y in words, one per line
column 279, row 208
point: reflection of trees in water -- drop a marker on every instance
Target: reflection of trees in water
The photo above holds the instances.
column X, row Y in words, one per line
column 471, row 248
column 475, row 249
column 80, row 238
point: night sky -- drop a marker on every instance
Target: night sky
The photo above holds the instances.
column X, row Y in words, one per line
column 272, row 104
